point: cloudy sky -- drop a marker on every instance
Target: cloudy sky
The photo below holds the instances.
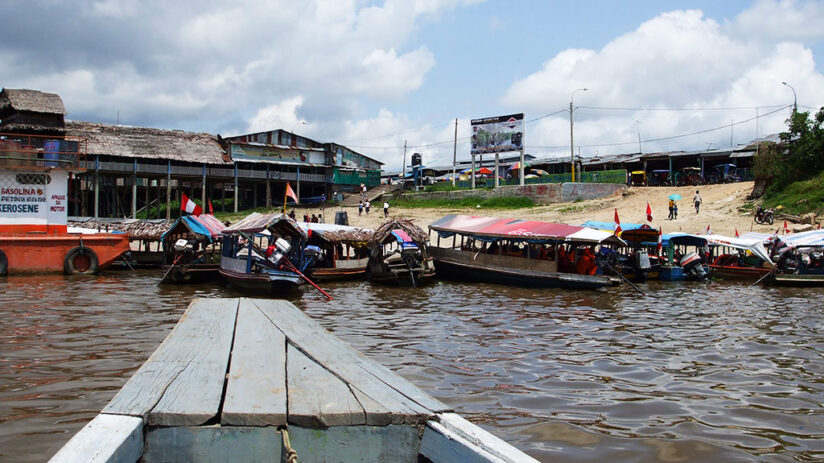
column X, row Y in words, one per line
column 373, row 74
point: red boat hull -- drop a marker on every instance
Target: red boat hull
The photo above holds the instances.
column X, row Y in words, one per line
column 49, row 253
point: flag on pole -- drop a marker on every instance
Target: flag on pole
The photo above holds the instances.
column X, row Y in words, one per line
column 736, row 232
column 189, row 206
column 649, row 213
column 660, row 240
column 617, row 223
column 786, row 228
column 289, row 193
column 211, row 209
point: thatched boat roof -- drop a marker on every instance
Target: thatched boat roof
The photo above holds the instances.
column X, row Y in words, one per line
column 142, row 142
column 137, row 229
column 415, row 232
column 32, row 101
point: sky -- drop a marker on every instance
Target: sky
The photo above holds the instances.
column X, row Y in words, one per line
column 660, row 75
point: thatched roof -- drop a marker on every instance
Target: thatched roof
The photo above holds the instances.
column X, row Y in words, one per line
column 142, row 142
column 31, row 100
column 136, row 229
column 415, row 232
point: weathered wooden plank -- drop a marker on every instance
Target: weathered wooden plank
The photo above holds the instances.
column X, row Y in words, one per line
column 213, row 444
column 455, row 439
column 405, row 400
column 317, row 398
column 256, row 389
column 106, row 438
column 376, row 414
column 182, row 382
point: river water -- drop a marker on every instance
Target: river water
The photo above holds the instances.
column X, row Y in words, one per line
column 717, row 372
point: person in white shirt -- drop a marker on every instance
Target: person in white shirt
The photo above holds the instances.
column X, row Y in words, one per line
column 696, row 200
column 385, row 209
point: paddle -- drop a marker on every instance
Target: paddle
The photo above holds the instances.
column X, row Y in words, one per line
column 771, row 272
column 170, row 269
column 625, row 279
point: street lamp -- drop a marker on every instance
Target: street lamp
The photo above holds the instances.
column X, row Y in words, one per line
column 795, row 97
column 571, row 138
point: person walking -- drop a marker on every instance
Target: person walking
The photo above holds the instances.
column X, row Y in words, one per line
column 671, row 208
column 360, row 208
column 385, row 209
column 696, row 200
column 367, row 206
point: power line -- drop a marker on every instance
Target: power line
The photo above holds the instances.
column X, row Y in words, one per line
column 733, row 108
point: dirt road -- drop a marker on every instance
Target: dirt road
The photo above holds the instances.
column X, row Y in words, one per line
column 724, row 208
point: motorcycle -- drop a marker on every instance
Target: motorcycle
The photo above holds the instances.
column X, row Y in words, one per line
column 764, row 216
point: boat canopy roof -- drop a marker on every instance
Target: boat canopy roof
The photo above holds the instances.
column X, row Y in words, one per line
column 277, row 223
column 204, row 226
column 808, row 239
column 610, row 226
column 495, row 228
column 754, row 245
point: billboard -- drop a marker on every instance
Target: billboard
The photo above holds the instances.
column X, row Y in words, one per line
column 498, row 134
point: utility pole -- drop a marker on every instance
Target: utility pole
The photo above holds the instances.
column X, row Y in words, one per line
column 403, row 172
column 454, row 152
column 571, row 142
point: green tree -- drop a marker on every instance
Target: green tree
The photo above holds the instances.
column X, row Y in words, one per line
column 805, row 139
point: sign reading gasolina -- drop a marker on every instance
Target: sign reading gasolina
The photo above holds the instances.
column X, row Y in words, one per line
column 37, row 199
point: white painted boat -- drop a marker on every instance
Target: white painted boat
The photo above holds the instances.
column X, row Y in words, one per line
column 257, row 380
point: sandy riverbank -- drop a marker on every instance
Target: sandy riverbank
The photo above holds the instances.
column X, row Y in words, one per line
column 723, row 208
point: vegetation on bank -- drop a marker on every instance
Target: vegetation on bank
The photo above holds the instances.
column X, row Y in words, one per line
column 799, row 197
column 793, row 171
column 491, row 203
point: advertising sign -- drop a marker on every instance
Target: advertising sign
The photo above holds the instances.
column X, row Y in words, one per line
column 498, row 134
column 33, row 199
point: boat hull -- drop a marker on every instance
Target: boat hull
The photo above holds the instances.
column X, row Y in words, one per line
column 196, row 273
column 338, row 274
column 745, row 273
column 48, row 253
column 517, row 271
column 801, row 280
column 264, row 282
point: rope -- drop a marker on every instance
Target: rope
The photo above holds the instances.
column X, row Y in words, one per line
column 291, row 454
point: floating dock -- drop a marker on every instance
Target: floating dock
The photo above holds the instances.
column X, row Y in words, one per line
column 258, row 380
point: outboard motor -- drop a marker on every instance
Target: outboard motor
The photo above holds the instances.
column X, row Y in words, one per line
column 691, row 263
column 282, row 248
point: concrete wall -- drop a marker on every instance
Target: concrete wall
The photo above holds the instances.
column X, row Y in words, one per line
column 542, row 194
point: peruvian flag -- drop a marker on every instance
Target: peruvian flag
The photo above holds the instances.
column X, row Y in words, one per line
column 660, row 240
column 786, row 228
column 736, row 232
column 649, row 213
column 189, row 206
column 291, row 193
column 617, row 223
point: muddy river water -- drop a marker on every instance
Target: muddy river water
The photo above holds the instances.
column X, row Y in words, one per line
column 714, row 372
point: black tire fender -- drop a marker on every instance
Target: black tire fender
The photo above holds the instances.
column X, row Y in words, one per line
column 69, row 266
column 4, row 264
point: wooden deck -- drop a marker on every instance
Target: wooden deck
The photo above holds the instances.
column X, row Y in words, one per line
column 235, row 372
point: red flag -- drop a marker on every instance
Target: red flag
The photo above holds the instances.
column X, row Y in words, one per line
column 660, row 239
column 290, row 193
column 189, row 206
column 649, row 213
column 736, row 232
column 211, row 209
column 617, row 223
column 819, row 225
column 786, row 229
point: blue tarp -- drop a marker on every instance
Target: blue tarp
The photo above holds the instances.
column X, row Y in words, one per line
column 610, row 225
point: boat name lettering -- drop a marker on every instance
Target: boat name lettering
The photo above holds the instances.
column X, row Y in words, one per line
column 20, row 208
column 522, row 232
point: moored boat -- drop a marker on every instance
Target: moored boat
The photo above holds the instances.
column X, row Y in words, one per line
column 264, row 252
column 34, row 234
column 399, row 253
column 191, row 251
column 343, row 251
column 520, row 252
column 751, row 260
column 799, row 260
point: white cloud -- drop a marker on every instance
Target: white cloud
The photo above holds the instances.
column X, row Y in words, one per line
column 281, row 115
column 679, row 59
